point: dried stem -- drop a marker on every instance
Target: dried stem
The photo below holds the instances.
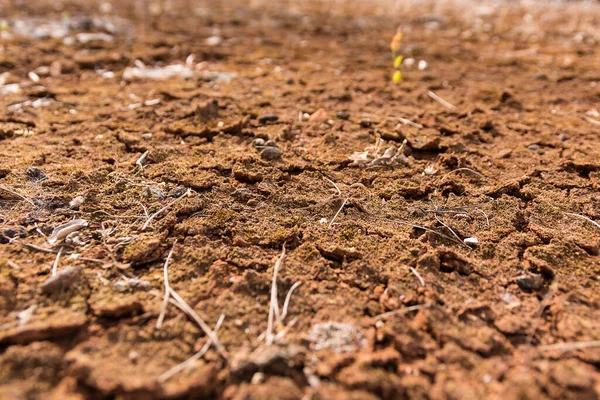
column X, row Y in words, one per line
column 334, row 185
column 570, row 346
column 429, row 230
column 338, row 211
column 55, row 265
column 441, row 101
column 164, row 208
column 183, row 305
column 273, row 306
column 419, row 277
column 402, row 311
column 458, row 239
column 190, row 311
column 286, row 303
column 163, row 308
column 584, row 217
column 190, row 361
column 13, row 192
column 538, row 315
column 463, row 169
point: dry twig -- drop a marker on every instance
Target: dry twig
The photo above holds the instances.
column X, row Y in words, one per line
column 164, row 208
column 273, row 306
column 401, row 311
column 183, row 305
column 190, row 361
column 570, row 346
column 419, row 277
column 13, row 192
column 55, row 265
column 441, row 101
column 163, row 308
column 583, row 217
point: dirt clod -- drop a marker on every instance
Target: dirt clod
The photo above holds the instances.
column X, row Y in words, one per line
column 271, row 153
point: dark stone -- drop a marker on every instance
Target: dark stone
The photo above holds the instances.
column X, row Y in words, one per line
column 36, row 175
column 530, row 283
column 268, row 118
column 271, row 153
column 343, row 115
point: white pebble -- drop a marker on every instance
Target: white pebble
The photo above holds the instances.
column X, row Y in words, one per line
column 471, row 240
column 34, row 77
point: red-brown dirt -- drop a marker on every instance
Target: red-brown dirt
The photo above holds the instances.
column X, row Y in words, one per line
column 385, row 308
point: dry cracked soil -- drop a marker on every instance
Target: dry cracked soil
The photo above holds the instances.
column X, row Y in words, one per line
column 440, row 233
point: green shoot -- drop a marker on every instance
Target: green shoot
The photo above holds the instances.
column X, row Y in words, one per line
column 397, row 58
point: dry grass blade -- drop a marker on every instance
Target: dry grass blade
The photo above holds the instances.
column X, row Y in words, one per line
column 183, row 305
column 286, row 303
column 55, row 265
column 273, row 306
column 430, row 230
column 190, row 311
column 441, row 101
column 487, row 220
column 419, row 277
column 36, row 248
column 458, row 239
column 334, row 185
column 583, row 217
column 163, row 308
column 402, row 311
column 13, row 192
column 538, row 315
column 409, row 122
column 164, row 208
column 338, row 211
column 190, row 361
column 62, row 231
column 463, row 169
column 570, row 346
column 590, row 120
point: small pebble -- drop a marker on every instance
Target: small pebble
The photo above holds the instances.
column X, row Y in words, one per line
column 146, row 136
column 343, row 115
column 11, row 233
column 258, row 378
column 35, row 174
column 534, row 147
column 259, row 142
column 134, row 356
column 213, row 41
column 564, row 137
column 73, row 239
column 76, row 202
column 62, row 279
column 365, row 123
column 471, row 240
column 271, row 153
column 121, row 286
column 271, row 143
column 177, row 192
column 530, row 283
column 268, row 118
column 139, row 284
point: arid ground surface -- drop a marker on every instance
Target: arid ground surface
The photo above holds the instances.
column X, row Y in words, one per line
column 93, row 128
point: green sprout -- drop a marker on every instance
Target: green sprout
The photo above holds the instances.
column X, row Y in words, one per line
column 394, row 47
